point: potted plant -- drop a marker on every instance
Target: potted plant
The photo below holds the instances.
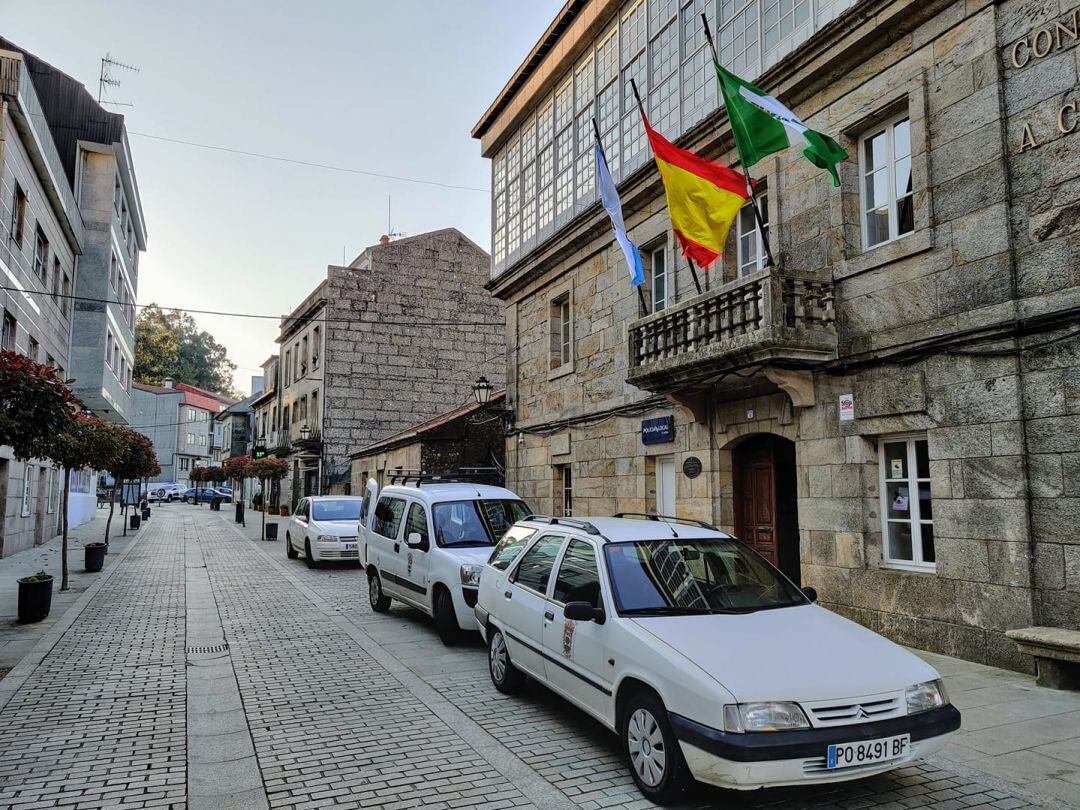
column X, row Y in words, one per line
column 284, row 511
column 35, row 597
column 94, row 556
column 237, row 469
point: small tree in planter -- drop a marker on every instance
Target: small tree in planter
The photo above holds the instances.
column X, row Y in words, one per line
column 35, row 406
column 136, row 460
column 84, row 442
column 268, row 470
column 237, row 469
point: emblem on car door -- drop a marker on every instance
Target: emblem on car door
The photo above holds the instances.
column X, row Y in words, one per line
column 568, row 639
column 408, row 569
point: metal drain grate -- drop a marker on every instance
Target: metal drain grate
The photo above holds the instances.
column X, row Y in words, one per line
column 213, row 648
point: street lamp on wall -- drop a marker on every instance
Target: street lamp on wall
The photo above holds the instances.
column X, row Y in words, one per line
column 305, row 432
column 482, row 391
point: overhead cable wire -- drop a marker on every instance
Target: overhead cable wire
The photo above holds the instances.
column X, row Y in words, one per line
column 309, row 163
column 282, row 318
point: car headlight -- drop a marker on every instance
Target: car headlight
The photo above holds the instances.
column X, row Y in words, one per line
column 925, row 696
column 327, row 538
column 470, row 575
column 748, row 717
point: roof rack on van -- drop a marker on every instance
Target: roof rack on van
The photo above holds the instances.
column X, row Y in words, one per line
column 673, row 518
column 472, row 475
column 565, row 521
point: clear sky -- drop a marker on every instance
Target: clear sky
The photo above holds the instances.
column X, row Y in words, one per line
column 390, row 86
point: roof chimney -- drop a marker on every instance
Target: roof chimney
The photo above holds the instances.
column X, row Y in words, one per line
column 168, row 383
column 384, row 240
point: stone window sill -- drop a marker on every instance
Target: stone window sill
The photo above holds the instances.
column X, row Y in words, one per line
column 903, row 248
column 561, row 371
column 910, row 569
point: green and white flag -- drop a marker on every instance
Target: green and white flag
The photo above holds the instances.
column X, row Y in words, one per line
column 762, row 126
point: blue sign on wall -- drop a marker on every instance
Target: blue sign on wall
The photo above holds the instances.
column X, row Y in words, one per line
column 658, row 431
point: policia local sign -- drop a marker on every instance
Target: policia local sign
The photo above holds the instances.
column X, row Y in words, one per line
column 658, row 431
column 1034, row 46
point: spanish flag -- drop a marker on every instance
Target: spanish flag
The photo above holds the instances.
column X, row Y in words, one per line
column 703, row 198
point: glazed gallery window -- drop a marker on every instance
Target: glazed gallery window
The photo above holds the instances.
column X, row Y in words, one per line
column 751, row 246
column 907, row 507
column 561, row 325
column 887, row 201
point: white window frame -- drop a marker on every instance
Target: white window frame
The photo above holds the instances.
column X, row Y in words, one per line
column 659, row 303
column 560, row 332
column 888, row 127
column 27, row 490
column 745, row 267
column 566, row 490
column 914, row 519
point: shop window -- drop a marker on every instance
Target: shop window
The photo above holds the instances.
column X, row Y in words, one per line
column 907, row 505
column 886, row 192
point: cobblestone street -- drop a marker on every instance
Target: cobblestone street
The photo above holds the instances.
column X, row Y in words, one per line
column 210, row 671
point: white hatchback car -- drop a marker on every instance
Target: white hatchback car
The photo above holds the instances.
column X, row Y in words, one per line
column 425, row 544
column 702, row 656
column 324, row 527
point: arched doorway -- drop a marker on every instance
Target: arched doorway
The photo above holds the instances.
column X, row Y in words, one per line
column 766, row 505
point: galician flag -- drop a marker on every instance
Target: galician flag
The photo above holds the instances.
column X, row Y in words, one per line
column 610, row 198
column 703, row 198
column 762, row 126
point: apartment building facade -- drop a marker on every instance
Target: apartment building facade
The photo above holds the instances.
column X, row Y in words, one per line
column 179, row 419
column 890, row 412
column 396, row 337
column 43, row 235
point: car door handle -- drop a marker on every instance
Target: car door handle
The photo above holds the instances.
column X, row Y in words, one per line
column 397, row 548
column 549, row 615
column 508, row 594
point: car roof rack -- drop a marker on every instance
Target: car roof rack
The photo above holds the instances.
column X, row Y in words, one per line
column 468, row 475
column 666, row 518
column 584, row 525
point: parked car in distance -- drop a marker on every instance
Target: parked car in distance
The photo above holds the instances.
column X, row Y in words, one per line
column 168, row 492
column 324, row 527
column 706, row 661
column 206, row 494
column 425, row 544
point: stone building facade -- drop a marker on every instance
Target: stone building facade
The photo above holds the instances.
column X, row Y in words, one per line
column 892, row 413
column 401, row 335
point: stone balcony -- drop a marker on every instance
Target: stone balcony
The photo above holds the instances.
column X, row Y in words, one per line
column 765, row 319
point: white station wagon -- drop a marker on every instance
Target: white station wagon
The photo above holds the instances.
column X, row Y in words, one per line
column 702, row 656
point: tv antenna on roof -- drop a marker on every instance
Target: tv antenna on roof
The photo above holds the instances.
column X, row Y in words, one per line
column 106, row 79
column 390, row 228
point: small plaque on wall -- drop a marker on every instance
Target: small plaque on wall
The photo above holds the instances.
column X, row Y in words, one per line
column 692, row 467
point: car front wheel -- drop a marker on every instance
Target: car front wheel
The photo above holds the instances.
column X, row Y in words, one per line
column 507, row 678
column 308, row 558
column 380, row 603
column 446, row 618
column 653, row 753
column 290, row 552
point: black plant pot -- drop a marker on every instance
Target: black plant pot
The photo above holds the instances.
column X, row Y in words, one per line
column 134, row 522
column 95, row 556
column 239, row 511
column 146, row 513
column 271, row 531
column 35, row 599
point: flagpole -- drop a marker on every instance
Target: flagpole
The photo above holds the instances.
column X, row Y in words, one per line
column 693, row 273
column 600, row 146
column 769, row 262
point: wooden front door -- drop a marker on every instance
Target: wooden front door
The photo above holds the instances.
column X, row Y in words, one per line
column 755, row 496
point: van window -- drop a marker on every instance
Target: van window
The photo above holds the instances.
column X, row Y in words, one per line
column 534, row 571
column 417, row 522
column 510, row 546
column 579, row 578
column 387, row 518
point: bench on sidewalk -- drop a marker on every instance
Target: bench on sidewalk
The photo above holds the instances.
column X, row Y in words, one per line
column 1056, row 651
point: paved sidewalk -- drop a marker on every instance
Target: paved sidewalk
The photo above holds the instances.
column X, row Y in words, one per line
column 17, row 639
column 208, row 671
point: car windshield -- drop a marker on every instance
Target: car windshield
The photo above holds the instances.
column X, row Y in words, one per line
column 686, row 577
column 475, row 523
column 335, row 510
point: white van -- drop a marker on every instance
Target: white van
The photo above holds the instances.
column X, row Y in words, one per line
column 425, row 541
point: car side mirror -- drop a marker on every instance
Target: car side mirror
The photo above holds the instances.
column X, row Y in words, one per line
column 584, row 612
column 414, row 540
column 810, row 592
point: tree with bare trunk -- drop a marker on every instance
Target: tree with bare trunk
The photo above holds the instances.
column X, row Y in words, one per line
column 267, row 470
